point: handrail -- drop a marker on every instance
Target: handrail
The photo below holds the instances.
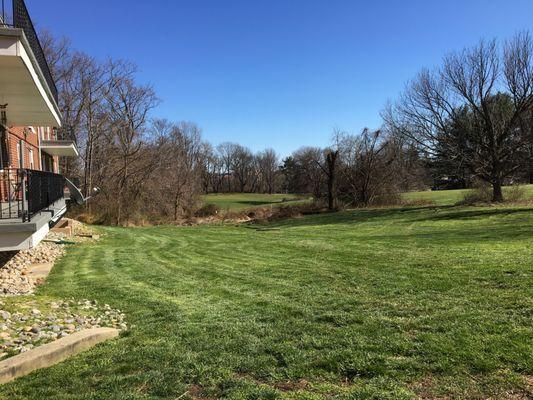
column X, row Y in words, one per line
column 65, row 133
column 25, row 192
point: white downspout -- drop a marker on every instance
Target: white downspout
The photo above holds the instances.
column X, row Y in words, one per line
column 39, row 131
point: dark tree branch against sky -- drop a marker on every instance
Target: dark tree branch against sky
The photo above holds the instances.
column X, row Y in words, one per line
column 278, row 73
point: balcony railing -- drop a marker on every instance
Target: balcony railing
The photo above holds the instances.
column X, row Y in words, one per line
column 65, row 133
column 24, row 192
column 15, row 15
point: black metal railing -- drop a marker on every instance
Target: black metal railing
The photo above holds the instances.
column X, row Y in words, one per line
column 64, row 133
column 25, row 193
column 20, row 18
column 44, row 189
column 12, row 203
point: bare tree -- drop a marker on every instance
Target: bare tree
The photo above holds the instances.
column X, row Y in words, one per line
column 310, row 178
column 268, row 165
column 242, row 165
column 212, row 169
column 128, row 108
column 367, row 167
column 227, row 151
column 330, row 170
column 181, row 157
column 496, row 90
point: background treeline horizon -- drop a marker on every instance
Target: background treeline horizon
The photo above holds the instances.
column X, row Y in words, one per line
column 468, row 122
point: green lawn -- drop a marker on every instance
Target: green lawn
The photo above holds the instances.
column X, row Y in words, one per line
column 450, row 197
column 373, row 304
column 243, row 201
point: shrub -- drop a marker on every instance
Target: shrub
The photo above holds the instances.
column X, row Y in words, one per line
column 208, row 210
column 514, row 193
column 481, row 193
column 392, row 198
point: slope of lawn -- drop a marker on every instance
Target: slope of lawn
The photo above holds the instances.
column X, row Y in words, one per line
column 375, row 304
column 242, row 201
column 450, row 197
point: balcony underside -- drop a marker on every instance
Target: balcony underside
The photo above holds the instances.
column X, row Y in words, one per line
column 17, row 235
column 22, row 85
column 64, row 148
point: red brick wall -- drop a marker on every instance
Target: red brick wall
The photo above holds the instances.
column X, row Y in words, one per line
column 30, row 137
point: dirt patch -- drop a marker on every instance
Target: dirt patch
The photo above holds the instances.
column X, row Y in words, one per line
column 291, row 386
column 475, row 387
column 196, row 392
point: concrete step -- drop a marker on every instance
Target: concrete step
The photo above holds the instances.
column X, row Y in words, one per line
column 53, row 353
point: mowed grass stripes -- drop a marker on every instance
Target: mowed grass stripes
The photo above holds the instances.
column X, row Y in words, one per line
column 373, row 304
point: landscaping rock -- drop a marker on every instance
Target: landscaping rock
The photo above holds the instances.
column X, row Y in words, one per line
column 20, row 332
column 15, row 265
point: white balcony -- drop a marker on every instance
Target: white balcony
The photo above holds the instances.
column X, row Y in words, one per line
column 62, row 148
column 24, row 87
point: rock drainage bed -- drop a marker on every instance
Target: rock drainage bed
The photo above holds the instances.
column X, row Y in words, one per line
column 15, row 265
column 28, row 323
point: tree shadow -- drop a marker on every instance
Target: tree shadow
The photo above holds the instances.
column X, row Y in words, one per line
column 253, row 203
column 463, row 235
column 474, row 214
column 406, row 215
column 351, row 216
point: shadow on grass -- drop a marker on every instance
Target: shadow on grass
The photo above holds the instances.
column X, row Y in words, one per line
column 353, row 216
column 255, row 203
column 399, row 219
column 472, row 234
column 474, row 213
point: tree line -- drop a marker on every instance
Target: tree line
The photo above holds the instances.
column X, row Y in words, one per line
column 469, row 120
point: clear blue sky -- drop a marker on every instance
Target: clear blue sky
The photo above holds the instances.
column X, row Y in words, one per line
column 278, row 73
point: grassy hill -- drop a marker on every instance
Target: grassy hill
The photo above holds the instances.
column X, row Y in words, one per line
column 451, row 197
column 243, row 201
column 372, row 304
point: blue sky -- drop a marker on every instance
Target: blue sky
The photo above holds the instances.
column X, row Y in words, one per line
column 278, row 73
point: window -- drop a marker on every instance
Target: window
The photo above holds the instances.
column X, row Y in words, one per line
column 30, row 152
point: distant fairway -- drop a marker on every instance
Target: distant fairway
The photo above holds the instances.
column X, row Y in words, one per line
column 451, row 197
column 243, row 201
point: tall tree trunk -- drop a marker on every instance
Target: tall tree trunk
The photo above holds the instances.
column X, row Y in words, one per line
column 331, row 200
column 497, row 194
column 331, row 161
column 176, row 206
